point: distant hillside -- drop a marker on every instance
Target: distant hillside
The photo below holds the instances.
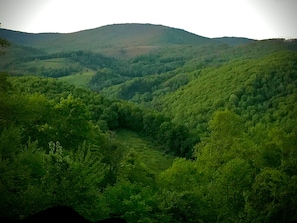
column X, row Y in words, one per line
column 27, row 39
column 249, row 87
column 16, row 53
column 234, row 41
column 169, row 69
column 122, row 38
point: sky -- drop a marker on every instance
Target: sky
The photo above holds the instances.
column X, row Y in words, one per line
column 255, row 19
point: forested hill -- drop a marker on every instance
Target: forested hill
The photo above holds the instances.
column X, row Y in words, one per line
column 116, row 37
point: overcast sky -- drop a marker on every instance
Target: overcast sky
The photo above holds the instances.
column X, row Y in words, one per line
column 256, row 19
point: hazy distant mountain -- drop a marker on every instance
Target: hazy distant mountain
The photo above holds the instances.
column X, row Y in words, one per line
column 235, row 41
column 28, row 39
column 119, row 36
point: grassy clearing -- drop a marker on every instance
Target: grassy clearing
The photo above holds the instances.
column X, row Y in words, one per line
column 153, row 158
column 80, row 79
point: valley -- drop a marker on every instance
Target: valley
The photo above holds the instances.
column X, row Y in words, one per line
column 149, row 123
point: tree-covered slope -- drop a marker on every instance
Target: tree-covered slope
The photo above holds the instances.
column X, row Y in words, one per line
column 155, row 74
column 255, row 89
column 120, row 37
column 26, row 39
column 234, row 41
column 14, row 54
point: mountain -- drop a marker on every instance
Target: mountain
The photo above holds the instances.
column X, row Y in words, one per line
column 119, row 38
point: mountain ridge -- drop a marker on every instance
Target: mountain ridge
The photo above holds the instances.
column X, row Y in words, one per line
column 115, row 37
column 234, row 41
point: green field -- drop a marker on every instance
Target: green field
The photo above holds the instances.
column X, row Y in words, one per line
column 154, row 159
column 80, row 79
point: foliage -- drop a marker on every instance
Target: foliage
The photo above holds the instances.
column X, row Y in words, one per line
column 229, row 122
column 4, row 43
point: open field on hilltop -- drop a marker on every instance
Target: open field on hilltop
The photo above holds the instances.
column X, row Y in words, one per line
column 153, row 158
column 80, row 79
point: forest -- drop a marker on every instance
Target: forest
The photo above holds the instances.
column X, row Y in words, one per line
column 218, row 124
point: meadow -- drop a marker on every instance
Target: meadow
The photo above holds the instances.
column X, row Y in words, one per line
column 80, row 79
column 155, row 159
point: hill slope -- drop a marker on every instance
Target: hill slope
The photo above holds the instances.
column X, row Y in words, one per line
column 234, row 41
column 119, row 36
column 165, row 71
column 256, row 89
